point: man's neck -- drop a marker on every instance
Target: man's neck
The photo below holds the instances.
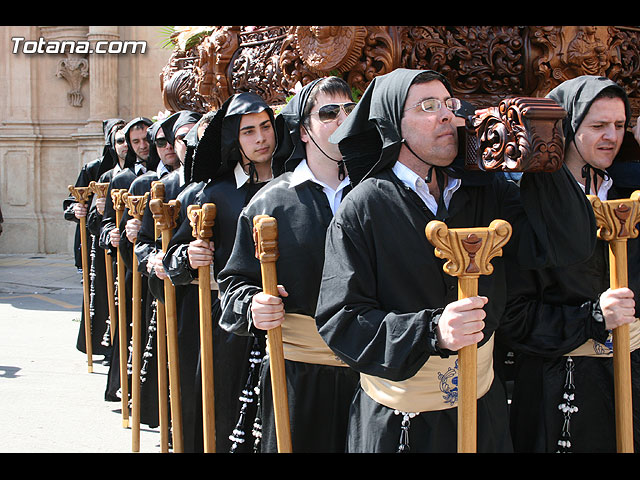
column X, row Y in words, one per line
column 422, row 169
column 324, row 170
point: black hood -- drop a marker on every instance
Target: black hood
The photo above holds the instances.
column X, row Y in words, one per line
column 154, row 158
column 173, row 123
column 576, row 96
column 370, row 138
column 109, row 156
column 218, row 151
column 131, row 158
column 191, row 141
column 291, row 149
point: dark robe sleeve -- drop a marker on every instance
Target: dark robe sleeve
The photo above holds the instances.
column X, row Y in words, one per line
column 386, row 344
column 108, row 223
column 535, row 327
column 239, row 281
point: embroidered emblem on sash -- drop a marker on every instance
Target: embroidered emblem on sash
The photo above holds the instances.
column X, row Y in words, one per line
column 449, row 385
column 604, row 348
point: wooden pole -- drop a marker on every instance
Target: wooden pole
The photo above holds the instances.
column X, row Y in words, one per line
column 202, row 219
column 616, row 221
column 100, row 190
column 165, row 215
column 468, row 252
column 81, row 195
column 157, row 195
column 136, row 205
column 119, row 206
column 266, row 241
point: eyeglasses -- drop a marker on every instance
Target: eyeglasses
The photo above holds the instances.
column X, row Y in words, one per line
column 329, row 112
column 431, row 105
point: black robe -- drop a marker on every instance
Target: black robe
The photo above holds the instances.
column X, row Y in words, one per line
column 231, row 353
column 319, row 395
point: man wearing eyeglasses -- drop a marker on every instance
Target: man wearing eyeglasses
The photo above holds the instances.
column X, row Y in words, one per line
column 303, row 198
column 386, row 308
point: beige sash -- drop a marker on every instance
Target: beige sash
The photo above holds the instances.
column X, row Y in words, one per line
column 591, row 348
column 302, row 342
column 434, row 387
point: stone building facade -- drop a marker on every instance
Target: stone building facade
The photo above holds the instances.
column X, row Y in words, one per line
column 54, row 94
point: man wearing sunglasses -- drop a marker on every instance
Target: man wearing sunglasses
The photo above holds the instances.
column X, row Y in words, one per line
column 386, row 307
column 302, row 199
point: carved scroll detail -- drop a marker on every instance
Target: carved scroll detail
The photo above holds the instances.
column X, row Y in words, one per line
column 521, row 134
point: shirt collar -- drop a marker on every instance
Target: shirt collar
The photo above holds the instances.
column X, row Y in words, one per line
column 303, row 173
column 240, row 175
column 603, row 191
column 161, row 170
column 418, row 185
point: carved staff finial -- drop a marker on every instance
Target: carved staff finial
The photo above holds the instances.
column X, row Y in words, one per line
column 100, row 189
column 468, row 252
column 135, row 203
column 616, row 221
column 157, row 190
column 202, row 220
column 81, row 194
column 117, row 197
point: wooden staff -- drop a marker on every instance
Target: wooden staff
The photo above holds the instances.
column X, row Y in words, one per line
column 165, row 215
column 100, row 190
column 266, row 241
column 468, row 252
column 136, row 205
column 119, row 206
column 202, row 219
column 81, row 195
column 616, row 221
column 157, row 195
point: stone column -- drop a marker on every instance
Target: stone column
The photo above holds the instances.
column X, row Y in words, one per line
column 103, row 79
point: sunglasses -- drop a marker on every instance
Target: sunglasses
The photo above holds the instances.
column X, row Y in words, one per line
column 328, row 113
column 431, row 105
column 161, row 142
column 120, row 141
